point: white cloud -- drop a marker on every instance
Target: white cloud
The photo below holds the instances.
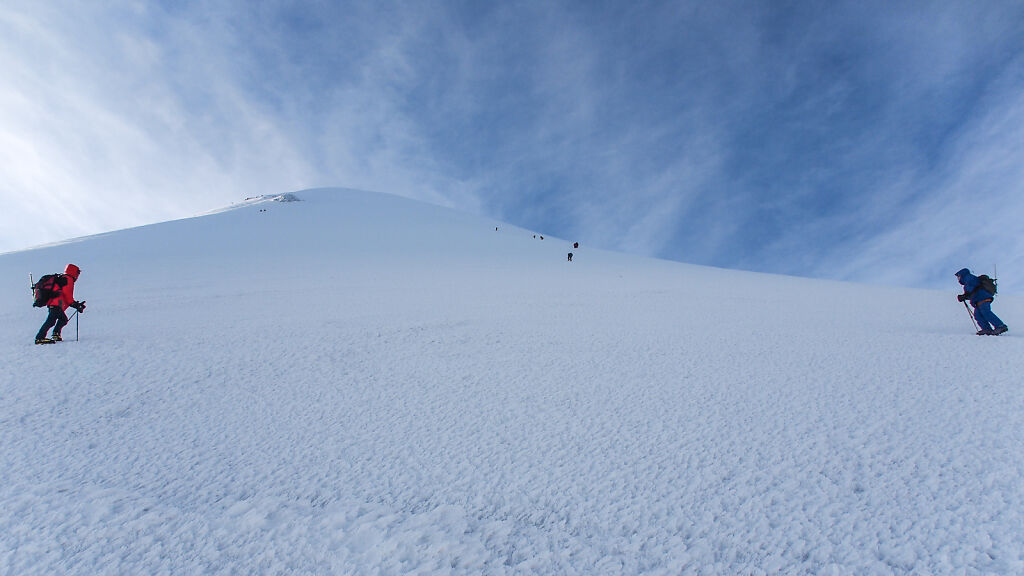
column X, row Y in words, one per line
column 838, row 141
column 99, row 132
column 969, row 209
column 128, row 114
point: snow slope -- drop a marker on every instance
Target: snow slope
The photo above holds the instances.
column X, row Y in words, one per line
column 361, row 384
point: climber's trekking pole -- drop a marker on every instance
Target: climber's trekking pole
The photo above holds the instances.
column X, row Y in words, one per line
column 973, row 321
column 75, row 316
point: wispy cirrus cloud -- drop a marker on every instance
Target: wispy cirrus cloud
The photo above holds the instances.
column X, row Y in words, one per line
column 106, row 126
column 845, row 140
column 966, row 210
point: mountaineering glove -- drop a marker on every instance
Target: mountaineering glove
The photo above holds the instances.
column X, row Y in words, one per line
column 80, row 306
column 961, row 297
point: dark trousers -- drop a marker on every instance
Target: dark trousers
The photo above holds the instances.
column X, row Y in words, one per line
column 56, row 319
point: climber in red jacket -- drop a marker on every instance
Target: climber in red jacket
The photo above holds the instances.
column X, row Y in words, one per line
column 64, row 299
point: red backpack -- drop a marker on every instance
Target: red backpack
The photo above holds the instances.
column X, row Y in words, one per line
column 47, row 288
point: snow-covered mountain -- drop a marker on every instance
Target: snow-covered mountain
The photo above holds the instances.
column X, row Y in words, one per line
column 357, row 383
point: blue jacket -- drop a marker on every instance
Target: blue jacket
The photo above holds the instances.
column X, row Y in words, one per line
column 972, row 287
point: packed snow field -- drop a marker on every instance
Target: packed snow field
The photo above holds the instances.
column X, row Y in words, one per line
column 361, row 384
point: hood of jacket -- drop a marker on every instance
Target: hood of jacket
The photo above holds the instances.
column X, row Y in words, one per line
column 73, row 271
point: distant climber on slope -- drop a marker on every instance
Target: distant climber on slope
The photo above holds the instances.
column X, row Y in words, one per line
column 62, row 296
column 980, row 291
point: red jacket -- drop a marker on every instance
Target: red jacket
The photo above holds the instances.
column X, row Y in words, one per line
column 67, row 294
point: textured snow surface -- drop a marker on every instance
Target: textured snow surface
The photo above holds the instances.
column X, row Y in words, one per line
column 361, row 384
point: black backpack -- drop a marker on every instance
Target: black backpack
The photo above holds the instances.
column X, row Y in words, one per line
column 47, row 288
column 987, row 284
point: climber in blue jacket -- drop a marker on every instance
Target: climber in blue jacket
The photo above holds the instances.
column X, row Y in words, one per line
column 980, row 295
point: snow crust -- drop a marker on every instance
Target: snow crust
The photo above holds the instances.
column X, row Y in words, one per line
column 362, row 384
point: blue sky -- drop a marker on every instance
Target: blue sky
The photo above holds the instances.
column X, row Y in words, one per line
column 868, row 141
